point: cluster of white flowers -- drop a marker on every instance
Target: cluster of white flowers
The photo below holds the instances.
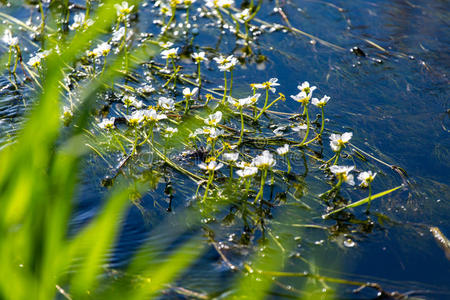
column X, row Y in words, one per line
column 226, row 64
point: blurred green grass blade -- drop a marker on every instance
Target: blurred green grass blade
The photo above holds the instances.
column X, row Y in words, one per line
column 94, row 241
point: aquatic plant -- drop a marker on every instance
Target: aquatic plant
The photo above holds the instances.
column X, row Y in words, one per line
column 146, row 112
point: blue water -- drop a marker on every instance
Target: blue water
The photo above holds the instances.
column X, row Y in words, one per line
column 396, row 103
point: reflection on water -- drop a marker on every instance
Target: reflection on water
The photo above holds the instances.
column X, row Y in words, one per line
column 393, row 96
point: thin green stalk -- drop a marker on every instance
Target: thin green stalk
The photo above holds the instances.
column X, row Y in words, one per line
column 175, row 72
column 225, row 87
column 220, row 15
column 231, row 172
column 15, row 64
column 104, row 67
column 323, row 122
column 41, row 10
column 235, row 22
column 231, row 83
column 88, row 9
column 149, row 135
column 210, row 179
column 125, row 45
column 242, row 126
column 337, row 157
column 307, row 126
column 187, row 14
column 265, row 105
column 199, row 79
column 9, row 59
column 261, row 189
column 186, row 109
column 172, row 17
column 120, row 144
column 288, row 164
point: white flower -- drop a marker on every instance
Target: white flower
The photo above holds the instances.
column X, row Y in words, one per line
column 129, row 100
column 123, row 9
column 212, row 132
column 366, row 178
column 170, row 131
column 265, row 160
column 138, row 104
column 283, row 150
column 226, row 64
column 187, row 93
column 219, row 3
column 35, row 61
column 170, row 53
column 8, row 39
column 67, row 113
column 342, row 173
column 151, row 115
column 320, row 103
column 146, row 89
column 199, row 57
column 214, row 119
column 107, row 124
column 136, row 118
column 166, row 103
column 165, row 45
column 302, row 97
column 211, row 166
column 188, row 2
column 304, row 87
column 231, row 157
column 247, row 171
column 118, row 34
column 103, row 49
column 338, row 141
column 243, row 16
column 267, row 85
column 79, row 22
column 300, row 127
column 239, row 103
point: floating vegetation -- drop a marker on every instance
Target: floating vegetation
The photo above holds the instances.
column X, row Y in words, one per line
column 160, row 107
